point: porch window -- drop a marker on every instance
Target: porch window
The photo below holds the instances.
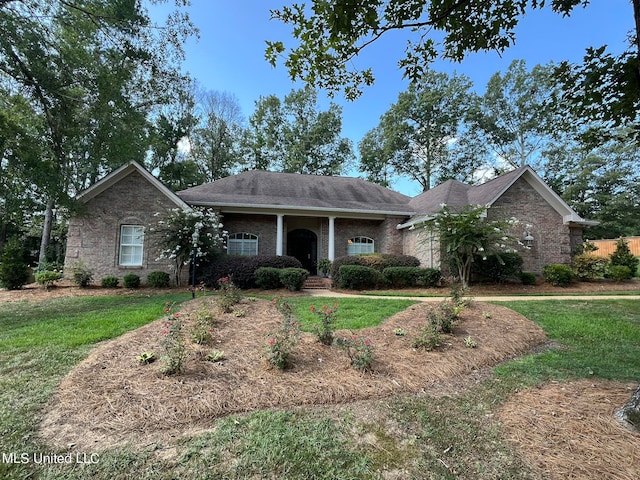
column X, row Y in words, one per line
column 131, row 245
column 359, row 245
column 242, row 244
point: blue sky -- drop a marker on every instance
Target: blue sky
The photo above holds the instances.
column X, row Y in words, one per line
column 229, row 56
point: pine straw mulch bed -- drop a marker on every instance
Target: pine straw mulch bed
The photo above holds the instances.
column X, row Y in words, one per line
column 110, row 399
column 567, row 430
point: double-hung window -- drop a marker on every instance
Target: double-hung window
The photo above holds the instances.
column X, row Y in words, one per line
column 242, row 244
column 131, row 245
column 359, row 245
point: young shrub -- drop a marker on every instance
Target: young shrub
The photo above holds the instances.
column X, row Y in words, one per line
column 358, row 350
column 619, row 273
column 81, row 274
column 356, row 277
column 281, row 343
column 14, row 272
column 324, row 266
column 268, row 278
column 48, row 278
column 230, row 295
column 110, row 281
column 131, row 280
column 589, row 267
column 428, row 339
column 528, row 278
column 328, row 317
column 293, row 278
column 429, row 277
column 158, row 279
column 623, row 256
column 557, row 274
column 172, row 342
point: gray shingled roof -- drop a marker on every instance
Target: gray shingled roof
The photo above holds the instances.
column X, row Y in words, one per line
column 265, row 189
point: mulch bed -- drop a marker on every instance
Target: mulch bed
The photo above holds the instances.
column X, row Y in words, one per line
column 110, row 399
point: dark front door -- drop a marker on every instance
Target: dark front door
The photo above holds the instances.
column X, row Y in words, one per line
column 303, row 244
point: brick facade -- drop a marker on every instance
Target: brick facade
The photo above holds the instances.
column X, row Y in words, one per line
column 94, row 237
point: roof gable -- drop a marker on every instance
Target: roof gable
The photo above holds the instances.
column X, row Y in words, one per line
column 122, row 172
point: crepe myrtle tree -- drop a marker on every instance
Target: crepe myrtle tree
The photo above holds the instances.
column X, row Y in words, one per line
column 466, row 233
column 175, row 233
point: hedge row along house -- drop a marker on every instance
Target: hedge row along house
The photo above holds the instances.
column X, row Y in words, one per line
column 311, row 218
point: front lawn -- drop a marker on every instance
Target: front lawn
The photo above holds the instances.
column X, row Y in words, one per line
column 440, row 434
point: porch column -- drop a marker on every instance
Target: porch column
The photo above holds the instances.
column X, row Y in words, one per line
column 332, row 239
column 279, row 234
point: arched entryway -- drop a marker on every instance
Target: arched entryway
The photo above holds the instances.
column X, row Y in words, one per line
column 303, row 244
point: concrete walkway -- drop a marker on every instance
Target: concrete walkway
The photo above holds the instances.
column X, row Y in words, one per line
column 479, row 298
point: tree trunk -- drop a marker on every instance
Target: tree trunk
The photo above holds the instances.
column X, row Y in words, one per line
column 46, row 231
column 629, row 415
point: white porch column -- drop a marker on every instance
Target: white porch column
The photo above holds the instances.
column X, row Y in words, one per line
column 332, row 239
column 279, row 234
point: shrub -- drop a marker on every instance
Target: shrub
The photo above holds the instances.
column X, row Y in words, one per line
column 339, row 262
column 623, row 256
column 282, row 341
column 175, row 351
column 131, row 280
column 498, row 268
column 268, row 278
column 110, row 281
column 48, row 278
column 528, row 278
column 358, row 350
column 428, row 339
column 589, row 267
column 429, row 277
column 158, row 279
column 619, row 272
column 399, row 277
column 243, row 269
column 324, row 266
column 557, row 274
column 81, row 274
column 14, row 272
column 328, row 317
column 377, row 261
column 229, row 294
column 357, row 277
column 293, row 278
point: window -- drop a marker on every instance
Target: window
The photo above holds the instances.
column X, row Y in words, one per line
column 242, row 244
column 131, row 245
column 358, row 245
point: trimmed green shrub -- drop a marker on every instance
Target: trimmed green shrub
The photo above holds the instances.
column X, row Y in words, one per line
column 377, row 261
column 358, row 277
column 528, row 278
column 242, row 269
column 498, row 268
column 293, row 278
column 81, row 274
column 268, row 278
column 619, row 272
column 398, row 277
column 429, row 277
column 557, row 274
column 131, row 280
column 158, row 279
column 14, row 271
column 623, row 256
column 324, row 266
column 590, row 267
column 110, row 281
column 48, row 278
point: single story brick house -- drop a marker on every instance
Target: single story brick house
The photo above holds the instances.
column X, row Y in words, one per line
column 309, row 217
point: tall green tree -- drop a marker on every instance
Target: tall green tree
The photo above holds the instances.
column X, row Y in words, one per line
column 520, row 114
column 330, row 34
column 93, row 71
column 215, row 141
column 295, row 136
column 421, row 135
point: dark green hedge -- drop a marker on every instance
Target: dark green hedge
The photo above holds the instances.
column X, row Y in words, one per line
column 242, row 270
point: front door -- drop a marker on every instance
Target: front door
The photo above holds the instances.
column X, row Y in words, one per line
column 303, row 244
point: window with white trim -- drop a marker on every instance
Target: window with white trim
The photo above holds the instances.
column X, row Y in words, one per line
column 242, row 244
column 359, row 245
column 131, row 245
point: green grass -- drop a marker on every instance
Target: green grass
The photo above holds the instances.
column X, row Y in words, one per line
column 410, row 436
column 353, row 313
column 597, row 338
